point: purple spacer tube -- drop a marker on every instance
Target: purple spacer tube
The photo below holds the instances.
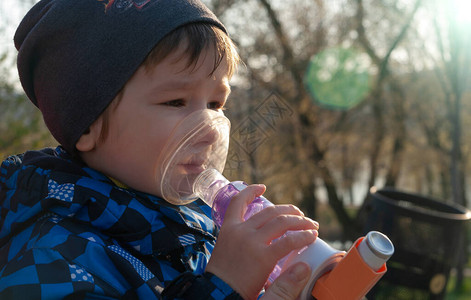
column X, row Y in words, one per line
column 214, row 189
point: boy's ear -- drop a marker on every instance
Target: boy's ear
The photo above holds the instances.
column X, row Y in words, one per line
column 89, row 139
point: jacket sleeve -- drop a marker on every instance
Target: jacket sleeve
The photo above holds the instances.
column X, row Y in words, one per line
column 186, row 285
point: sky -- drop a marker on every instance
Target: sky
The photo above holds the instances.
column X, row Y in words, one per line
column 11, row 13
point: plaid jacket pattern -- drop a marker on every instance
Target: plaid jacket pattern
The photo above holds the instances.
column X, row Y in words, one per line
column 68, row 232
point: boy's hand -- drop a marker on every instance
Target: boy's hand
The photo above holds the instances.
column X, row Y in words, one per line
column 290, row 283
column 244, row 254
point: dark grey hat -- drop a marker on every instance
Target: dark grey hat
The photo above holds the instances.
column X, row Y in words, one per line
column 76, row 55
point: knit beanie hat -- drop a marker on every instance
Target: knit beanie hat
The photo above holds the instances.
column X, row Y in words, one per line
column 76, row 55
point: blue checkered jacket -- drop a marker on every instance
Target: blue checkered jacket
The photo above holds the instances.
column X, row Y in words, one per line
column 68, row 232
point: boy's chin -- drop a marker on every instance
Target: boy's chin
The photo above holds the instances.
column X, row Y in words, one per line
column 177, row 187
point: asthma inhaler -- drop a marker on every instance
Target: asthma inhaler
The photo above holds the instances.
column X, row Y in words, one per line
column 357, row 272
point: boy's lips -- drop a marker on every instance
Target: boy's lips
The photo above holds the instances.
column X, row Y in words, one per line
column 193, row 167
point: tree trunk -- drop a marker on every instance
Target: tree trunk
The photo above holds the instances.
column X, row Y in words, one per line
column 305, row 120
column 400, row 135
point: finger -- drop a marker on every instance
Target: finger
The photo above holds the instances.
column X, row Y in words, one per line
column 270, row 212
column 289, row 284
column 238, row 205
column 279, row 225
column 291, row 241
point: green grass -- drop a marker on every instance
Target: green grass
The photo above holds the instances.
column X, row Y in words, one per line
column 390, row 291
column 463, row 294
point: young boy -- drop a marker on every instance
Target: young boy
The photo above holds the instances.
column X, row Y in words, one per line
column 113, row 79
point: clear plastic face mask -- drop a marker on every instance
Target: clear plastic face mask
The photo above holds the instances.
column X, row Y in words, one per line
column 198, row 142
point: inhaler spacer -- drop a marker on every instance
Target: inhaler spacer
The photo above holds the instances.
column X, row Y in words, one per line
column 199, row 142
column 216, row 191
column 335, row 274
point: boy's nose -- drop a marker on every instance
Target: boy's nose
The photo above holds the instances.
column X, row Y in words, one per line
column 206, row 129
column 208, row 136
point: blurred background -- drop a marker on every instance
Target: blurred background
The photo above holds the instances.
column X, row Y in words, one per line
column 334, row 98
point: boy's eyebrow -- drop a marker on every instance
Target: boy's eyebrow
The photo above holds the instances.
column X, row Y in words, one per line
column 224, row 87
column 177, row 84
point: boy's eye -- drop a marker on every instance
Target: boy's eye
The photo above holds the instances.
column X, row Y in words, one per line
column 175, row 103
column 216, row 105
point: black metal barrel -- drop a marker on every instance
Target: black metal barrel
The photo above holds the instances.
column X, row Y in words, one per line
column 427, row 236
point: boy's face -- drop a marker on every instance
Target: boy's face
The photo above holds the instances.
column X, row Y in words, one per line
column 153, row 102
